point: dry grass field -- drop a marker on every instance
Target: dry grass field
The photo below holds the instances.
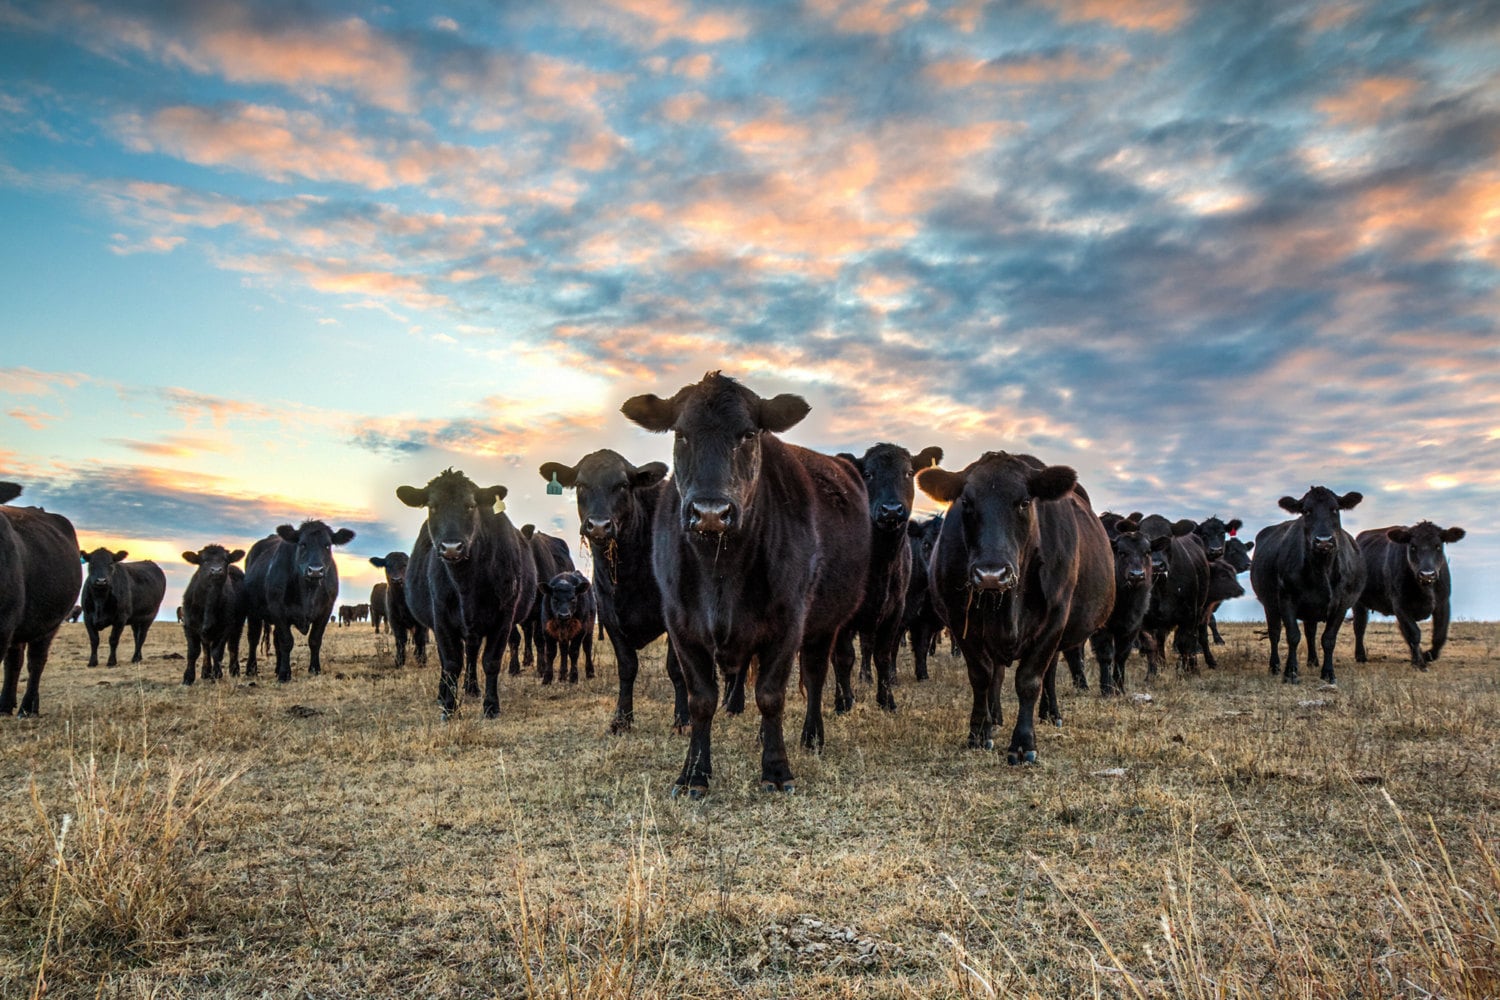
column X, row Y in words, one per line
column 1230, row 837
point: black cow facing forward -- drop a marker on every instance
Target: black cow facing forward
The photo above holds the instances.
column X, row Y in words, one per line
column 1406, row 575
column 471, row 574
column 1223, row 585
column 1307, row 570
column 889, row 472
column 761, row 549
column 398, row 616
column 39, row 580
column 1134, row 577
column 617, row 505
column 567, row 616
column 213, row 614
column 116, row 594
column 550, row 556
column 1022, row 570
column 291, row 581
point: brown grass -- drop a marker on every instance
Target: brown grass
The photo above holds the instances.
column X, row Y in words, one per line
column 333, row 838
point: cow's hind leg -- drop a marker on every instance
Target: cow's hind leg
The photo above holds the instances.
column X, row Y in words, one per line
column 36, row 660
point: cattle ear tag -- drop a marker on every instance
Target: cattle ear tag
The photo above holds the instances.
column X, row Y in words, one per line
column 499, row 506
column 554, row 488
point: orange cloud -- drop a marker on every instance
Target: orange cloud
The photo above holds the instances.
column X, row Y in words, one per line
column 869, row 17
column 35, row 419
column 176, row 446
column 1367, row 102
column 1028, row 71
column 669, row 20
column 1132, row 15
column 30, row 382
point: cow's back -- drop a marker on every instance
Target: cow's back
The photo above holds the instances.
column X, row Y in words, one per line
column 148, row 586
column 1278, row 557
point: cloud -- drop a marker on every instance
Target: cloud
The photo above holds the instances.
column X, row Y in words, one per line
column 1133, row 15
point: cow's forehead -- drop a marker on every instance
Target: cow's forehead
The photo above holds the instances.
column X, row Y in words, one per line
column 998, row 473
column 1320, row 496
column 315, row 533
column 213, row 552
column 602, row 468
column 449, row 486
column 886, row 456
column 1426, row 534
column 715, row 400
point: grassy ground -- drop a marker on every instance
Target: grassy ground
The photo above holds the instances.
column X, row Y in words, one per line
column 1232, row 836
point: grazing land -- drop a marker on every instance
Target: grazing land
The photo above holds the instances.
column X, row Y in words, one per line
column 1230, row 837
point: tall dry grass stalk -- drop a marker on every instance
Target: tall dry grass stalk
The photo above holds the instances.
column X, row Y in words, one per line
column 124, row 875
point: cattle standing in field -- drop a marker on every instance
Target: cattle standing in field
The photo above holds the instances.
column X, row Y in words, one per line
column 617, row 505
column 116, row 594
column 1215, row 535
column 1223, row 585
column 377, row 605
column 471, row 574
column 889, row 472
column 1022, row 570
column 761, row 549
column 550, row 556
column 1406, row 576
column 346, row 615
column 361, row 612
column 1307, row 570
column 1179, row 591
column 919, row 620
column 291, row 581
column 213, row 611
column 398, row 616
column 567, row 616
column 39, row 581
column 1133, row 552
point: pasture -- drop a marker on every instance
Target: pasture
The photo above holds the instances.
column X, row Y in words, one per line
column 1232, row 836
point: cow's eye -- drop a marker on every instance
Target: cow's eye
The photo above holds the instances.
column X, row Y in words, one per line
column 1023, row 506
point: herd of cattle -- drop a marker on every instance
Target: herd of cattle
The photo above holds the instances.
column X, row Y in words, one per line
column 752, row 556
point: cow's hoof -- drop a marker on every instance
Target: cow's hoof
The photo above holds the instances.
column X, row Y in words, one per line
column 693, row 793
column 445, row 715
column 786, row 787
column 492, row 713
column 620, row 724
column 1015, row 758
column 682, row 728
column 975, row 744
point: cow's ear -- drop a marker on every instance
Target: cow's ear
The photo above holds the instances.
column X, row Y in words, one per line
column 566, row 475
column 191, row 557
column 1249, row 546
column 83, row 556
column 783, row 412
column 287, row 533
column 650, row 411
column 378, row 561
column 1290, row 504
column 541, row 587
column 940, row 484
column 1234, row 526
column 1161, row 543
column 9, row 491
column 926, row 457
column 1350, row 500
column 648, row 475
column 412, row 496
column 236, row 556
column 1401, row 535
column 490, row 496
column 343, row 536
column 527, row 530
column 120, row 556
column 581, row 582
column 1183, row 528
column 1126, row 524
column 1135, row 516
column 848, row 457
column 1451, row 535
column 1051, row 483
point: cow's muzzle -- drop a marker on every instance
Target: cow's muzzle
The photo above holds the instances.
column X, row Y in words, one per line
column 453, row 552
column 598, row 531
column 993, row 578
column 712, row 516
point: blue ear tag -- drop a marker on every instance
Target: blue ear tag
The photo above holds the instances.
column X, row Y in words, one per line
column 554, row 488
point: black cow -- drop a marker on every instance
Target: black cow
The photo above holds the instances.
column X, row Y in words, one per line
column 1021, row 571
column 889, row 472
column 116, row 594
column 1309, row 570
column 617, row 505
column 398, row 616
column 39, row 581
column 346, row 615
column 291, row 581
column 1179, row 591
column 361, row 612
column 377, row 604
column 1223, row 585
column 567, row 616
column 1134, row 576
column 213, row 611
column 550, row 556
column 1215, row 535
column 919, row 619
column 761, row 549
column 471, row 574
column 1406, row 575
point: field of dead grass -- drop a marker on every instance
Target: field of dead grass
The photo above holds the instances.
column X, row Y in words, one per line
column 1230, row 837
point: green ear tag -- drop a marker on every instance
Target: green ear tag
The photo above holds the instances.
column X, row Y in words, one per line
column 554, row 488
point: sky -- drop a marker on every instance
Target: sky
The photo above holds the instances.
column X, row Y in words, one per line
column 265, row 261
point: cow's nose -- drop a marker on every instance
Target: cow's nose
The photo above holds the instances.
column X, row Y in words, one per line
column 712, row 516
column 890, row 513
column 1215, row 553
column 598, row 530
column 1428, row 576
column 314, row 572
column 1135, row 576
column 451, row 551
column 1323, row 541
column 1000, row 578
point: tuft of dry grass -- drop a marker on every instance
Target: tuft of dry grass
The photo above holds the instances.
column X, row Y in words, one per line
column 1230, row 837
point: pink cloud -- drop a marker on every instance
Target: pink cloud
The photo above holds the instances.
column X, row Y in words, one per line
column 1132, row 15
column 869, row 17
column 1029, row 71
column 30, row 382
column 1367, row 102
